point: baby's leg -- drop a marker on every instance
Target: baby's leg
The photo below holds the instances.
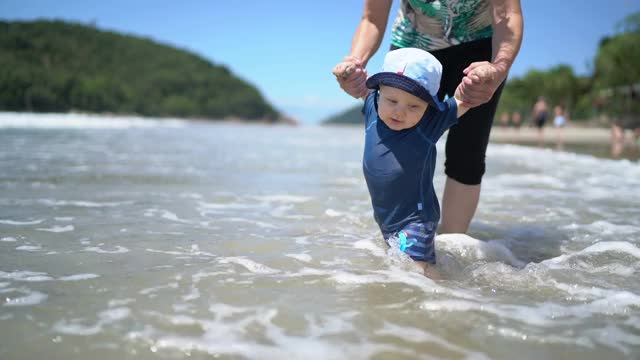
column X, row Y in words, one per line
column 429, row 270
column 417, row 241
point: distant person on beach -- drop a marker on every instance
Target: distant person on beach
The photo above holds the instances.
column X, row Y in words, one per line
column 505, row 119
column 559, row 122
column 626, row 120
column 404, row 119
column 540, row 110
column 477, row 42
column 516, row 120
column 618, row 129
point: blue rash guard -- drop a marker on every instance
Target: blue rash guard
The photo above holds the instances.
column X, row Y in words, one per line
column 399, row 165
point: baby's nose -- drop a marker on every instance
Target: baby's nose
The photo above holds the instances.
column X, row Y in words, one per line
column 399, row 111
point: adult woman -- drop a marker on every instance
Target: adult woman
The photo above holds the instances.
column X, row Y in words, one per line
column 476, row 41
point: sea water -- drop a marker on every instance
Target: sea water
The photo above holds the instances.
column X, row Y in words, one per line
column 138, row 238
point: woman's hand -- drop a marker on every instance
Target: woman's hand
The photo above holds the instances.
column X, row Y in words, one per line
column 481, row 81
column 352, row 77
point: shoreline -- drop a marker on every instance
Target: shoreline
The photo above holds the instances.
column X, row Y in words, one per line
column 284, row 120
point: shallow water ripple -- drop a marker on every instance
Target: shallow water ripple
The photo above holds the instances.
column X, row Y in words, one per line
column 172, row 240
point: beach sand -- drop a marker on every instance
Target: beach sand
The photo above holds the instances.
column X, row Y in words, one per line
column 585, row 140
column 571, row 135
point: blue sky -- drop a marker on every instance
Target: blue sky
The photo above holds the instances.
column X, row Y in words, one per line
column 287, row 48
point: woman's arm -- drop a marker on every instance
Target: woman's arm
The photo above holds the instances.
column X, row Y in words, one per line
column 370, row 32
column 508, row 25
column 364, row 45
column 483, row 78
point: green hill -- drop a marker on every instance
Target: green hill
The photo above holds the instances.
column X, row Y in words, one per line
column 349, row 116
column 55, row 66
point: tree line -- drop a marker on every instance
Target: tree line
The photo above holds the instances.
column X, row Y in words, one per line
column 611, row 92
column 56, row 66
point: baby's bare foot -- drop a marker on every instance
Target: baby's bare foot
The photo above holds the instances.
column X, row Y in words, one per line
column 432, row 273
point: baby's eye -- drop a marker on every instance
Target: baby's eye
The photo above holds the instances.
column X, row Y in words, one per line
column 413, row 107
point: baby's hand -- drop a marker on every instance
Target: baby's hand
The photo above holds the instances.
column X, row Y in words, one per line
column 344, row 69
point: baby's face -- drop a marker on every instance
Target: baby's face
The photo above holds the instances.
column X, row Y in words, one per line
column 399, row 109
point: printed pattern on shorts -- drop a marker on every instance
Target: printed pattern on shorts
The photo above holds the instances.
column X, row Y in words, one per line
column 415, row 240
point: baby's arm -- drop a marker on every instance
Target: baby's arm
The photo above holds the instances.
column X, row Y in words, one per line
column 461, row 108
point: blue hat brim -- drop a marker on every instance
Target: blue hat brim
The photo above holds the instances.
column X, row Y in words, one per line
column 403, row 83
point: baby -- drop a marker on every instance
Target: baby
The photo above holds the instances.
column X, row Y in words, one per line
column 403, row 120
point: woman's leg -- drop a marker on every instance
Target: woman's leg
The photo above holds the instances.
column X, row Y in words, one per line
column 466, row 141
column 459, row 204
